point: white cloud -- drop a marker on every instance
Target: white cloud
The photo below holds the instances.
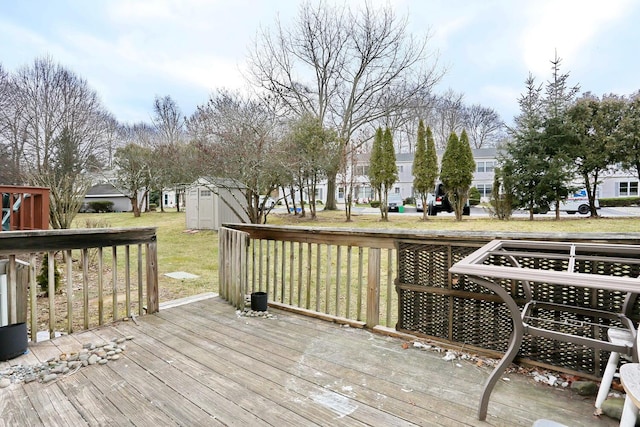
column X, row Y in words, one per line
column 566, row 27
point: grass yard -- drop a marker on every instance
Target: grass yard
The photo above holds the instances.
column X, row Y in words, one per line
column 197, row 252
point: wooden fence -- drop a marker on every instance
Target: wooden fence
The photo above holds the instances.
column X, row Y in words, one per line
column 103, row 274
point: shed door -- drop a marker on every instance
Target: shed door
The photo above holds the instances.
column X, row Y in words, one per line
column 192, row 209
column 205, row 210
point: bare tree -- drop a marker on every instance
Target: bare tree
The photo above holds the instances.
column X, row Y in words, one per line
column 168, row 120
column 133, row 174
column 447, row 116
column 169, row 124
column 7, row 174
column 12, row 137
column 239, row 139
column 484, row 126
column 341, row 65
column 57, row 128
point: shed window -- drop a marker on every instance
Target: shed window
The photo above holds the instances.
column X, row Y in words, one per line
column 205, row 193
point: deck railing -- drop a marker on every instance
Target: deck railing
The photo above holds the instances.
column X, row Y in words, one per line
column 337, row 274
column 395, row 279
column 24, row 208
column 103, row 274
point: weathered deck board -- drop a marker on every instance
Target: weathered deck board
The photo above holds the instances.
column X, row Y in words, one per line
column 302, row 362
column 201, row 364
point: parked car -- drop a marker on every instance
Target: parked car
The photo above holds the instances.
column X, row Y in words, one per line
column 440, row 202
column 269, row 202
column 419, row 207
column 394, row 202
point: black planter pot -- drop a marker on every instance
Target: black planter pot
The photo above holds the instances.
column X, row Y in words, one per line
column 13, row 340
column 259, row 301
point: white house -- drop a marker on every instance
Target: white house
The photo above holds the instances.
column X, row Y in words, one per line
column 616, row 183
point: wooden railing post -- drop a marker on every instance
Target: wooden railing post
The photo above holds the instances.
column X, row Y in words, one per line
column 33, row 307
column 12, row 290
column 373, row 288
column 153, row 305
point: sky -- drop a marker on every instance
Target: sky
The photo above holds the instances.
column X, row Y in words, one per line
column 131, row 51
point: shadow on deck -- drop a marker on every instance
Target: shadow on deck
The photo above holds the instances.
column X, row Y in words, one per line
column 202, row 364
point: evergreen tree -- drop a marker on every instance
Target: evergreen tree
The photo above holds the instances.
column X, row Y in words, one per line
column 501, row 201
column 597, row 126
column 425, row 166
column 556, row 137
column 43, row 277
column 523, row 156
column 628, row 147
column 457, row 171
column 375, row 165
column 388, row 171
column 538, row 155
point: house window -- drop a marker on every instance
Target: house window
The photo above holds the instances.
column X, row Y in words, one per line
column 340, row 192
column 400, row 169
column 318, row 193
column 485, row 189
column 628, row 188
column 396, row 190
column 485, row 166
column 362, row 170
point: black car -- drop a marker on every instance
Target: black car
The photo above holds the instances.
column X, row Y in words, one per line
column 440, row 202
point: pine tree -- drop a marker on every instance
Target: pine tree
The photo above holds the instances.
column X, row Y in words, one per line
column 388, row 171
column 375, row 165
column 425, row 165
column 457, row 171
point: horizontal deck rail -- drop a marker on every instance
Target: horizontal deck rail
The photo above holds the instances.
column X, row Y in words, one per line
column 385, row 278
column 102, row 272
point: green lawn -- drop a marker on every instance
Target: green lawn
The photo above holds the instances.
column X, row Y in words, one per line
column 197, row 252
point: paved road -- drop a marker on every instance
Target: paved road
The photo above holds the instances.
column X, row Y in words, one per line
column 482, row 212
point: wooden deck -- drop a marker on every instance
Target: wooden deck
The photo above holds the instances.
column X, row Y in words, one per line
column 201, row 364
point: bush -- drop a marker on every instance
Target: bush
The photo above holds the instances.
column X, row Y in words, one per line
column 619, row 202
column 96, row 223
column 375, row 203
column 43, row 277
column 101, row 206
column 474, row 196
column 410, row 201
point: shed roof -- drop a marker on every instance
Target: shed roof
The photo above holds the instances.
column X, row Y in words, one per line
column 104, row 190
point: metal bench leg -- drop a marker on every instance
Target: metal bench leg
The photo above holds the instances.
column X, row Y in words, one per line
column 607, row 378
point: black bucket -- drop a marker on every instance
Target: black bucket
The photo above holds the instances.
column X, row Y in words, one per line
column 13, row 341
column 259, row 301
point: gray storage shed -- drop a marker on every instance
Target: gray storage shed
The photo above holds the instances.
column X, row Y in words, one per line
column 211, row 202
